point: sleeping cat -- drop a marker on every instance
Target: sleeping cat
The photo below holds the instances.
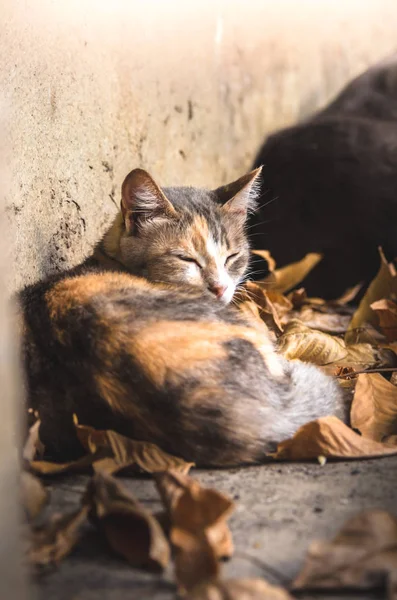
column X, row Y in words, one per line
column 329, row 185
column 181, row 235
column 165, row 360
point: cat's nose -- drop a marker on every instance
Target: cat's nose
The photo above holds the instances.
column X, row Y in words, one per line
column 217, row 289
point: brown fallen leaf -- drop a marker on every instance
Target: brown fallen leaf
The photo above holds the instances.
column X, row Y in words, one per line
column 251, row 313
column 298, row 298
column 281, row 303
column 256, row 293
column 348, row 295
column 33, row 446
column 367, row 356
column 387, row 315
column 327, row 322
column 130, row 529
column 34, row 495
column 238, row 589
column 363, row 556
column 330, row 437
column 284, row 279
column 299, row 341
column 199, row 533
column 57, row 538
column 119, row 452
column 265, row 254
column 383, row 286
column 374, row 408
column 45, row 467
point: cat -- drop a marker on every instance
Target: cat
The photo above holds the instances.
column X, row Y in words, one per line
column 164, row 358
column 329, row 185
column 181, row 235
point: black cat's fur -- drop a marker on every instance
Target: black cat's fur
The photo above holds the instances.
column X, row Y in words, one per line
column 330, row 185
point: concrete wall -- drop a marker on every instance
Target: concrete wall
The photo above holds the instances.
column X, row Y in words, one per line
column 187, row 89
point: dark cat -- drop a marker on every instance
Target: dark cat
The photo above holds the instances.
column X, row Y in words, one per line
column 330, row 185
column 163, row 362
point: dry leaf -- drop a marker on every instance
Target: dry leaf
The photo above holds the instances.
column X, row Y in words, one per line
column 374, row 408
column 255, row 292
column 299, row 341
column 33, row 446
column 362, row 556
column 55, row 540
column 366, row 356
column 199, row 533
column 298, row 298
column 265, row 254
column 348, row 295
column 281, row 303
column 34, row 495
column 45, row 467
column 328, row 322
column 130, row 529
column 284, row 279
column 387, row 315
column 120, row 452
column 383, row 286
column 239, row 589
column 251, row 313
column 331, row 438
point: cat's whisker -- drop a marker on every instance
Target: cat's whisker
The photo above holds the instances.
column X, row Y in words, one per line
column 261, row 223
column 267, row 203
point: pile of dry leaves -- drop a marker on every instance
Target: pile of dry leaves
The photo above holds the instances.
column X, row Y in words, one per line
column 357, row 346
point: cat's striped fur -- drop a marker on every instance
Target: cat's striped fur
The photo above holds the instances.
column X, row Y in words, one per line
column 160, row 362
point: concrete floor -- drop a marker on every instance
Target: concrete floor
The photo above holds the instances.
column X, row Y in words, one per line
column 280, row 509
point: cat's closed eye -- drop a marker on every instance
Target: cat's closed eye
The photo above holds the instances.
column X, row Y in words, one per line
column 230, row 257
column 190, row 259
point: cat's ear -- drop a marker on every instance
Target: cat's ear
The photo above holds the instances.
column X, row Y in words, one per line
column 142, row 200
column 239, row 198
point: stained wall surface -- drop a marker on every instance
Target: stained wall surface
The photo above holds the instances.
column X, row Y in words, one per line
column 93, row 88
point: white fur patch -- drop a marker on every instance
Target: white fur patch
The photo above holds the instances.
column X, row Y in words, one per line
column 222, row 276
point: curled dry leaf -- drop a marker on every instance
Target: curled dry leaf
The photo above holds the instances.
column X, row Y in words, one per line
column 255, row 292
column 199, row 533
column 362, row 556
column 387, row 315
column 327, row 322
column 130, row 529
column 330, row 437
column 238, row 589
column 251, row 313
column 34, row 495
column 299, row 341
column 374, row 408
column 280, row 302
column 383, row 286
column 348, row 295
column 45, row 467
column 298, row 298
column 57, row 538
column 265, row 254
column 119, row 452
column 284, row 279
column 366, row 356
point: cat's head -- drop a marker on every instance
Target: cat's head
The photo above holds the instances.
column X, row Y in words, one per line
column 184, row 235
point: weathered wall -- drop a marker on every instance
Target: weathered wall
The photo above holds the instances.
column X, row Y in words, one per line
column 185, row 89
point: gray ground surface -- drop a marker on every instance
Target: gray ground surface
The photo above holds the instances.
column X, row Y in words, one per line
column 280, row 509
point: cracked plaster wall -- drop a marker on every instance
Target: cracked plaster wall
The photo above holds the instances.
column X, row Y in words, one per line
column 93, row 88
